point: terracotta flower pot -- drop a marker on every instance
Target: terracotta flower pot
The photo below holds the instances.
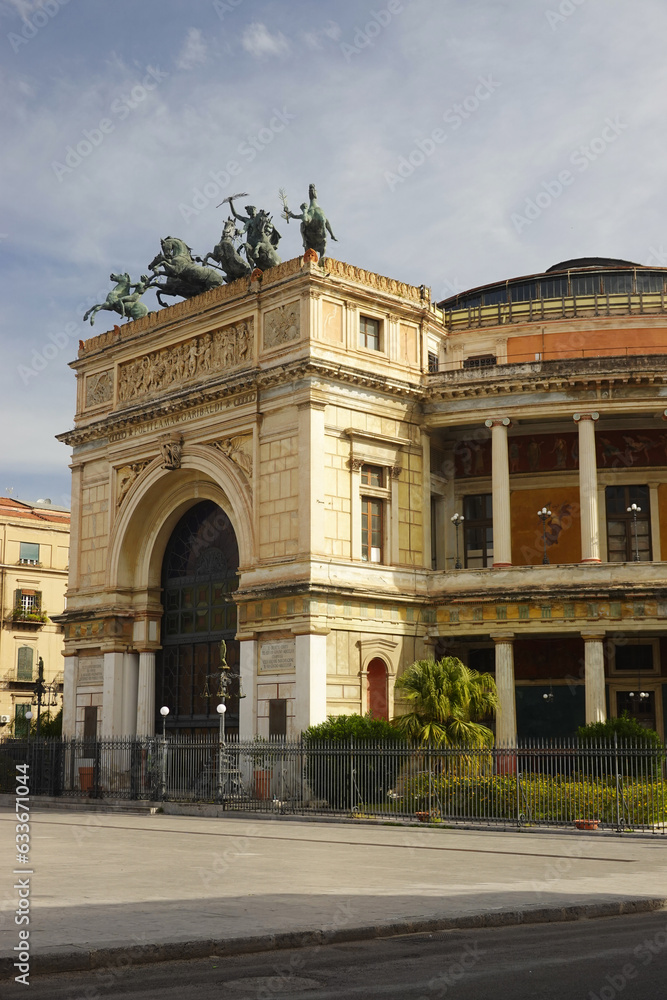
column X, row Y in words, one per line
column 586, row 824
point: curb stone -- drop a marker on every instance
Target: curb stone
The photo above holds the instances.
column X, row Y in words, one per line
column 54, row 960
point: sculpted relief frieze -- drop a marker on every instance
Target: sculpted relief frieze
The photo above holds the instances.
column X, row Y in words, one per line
column 282, row 325
column 99, row 388
column 219, row 350
column 239, row 450
column 126, row 476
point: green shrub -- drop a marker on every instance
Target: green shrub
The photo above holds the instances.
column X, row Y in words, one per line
column 631, row 739
column 345, row 780
column 640, row 803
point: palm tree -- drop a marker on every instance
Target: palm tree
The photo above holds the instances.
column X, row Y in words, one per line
column 447, row 700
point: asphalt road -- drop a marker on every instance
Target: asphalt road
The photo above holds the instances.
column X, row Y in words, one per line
column 589, row 959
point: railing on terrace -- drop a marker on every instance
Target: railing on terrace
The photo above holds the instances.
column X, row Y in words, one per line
column 609, row 786
column 570, row 306
column 638, row 357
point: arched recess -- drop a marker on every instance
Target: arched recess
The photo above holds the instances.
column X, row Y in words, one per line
column 385, row 651
column 378, row 691
column 155, row 504
column 199, row 577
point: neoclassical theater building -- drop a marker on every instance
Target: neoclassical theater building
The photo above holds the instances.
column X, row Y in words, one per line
column 279, row 463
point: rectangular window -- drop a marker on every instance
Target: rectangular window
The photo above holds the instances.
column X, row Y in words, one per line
column 478, row 530
column 90, row 723
column 24, row 664
column 21, row 724
column 372, row 475
column 278, row 718
column 369, row 333
column 432, row 361
column 480, row 361
column 628, row 531
column 371, row 529
column 29, row 553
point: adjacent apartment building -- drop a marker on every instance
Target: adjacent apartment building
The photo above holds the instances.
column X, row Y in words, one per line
column 34, row 557
column 336, row 476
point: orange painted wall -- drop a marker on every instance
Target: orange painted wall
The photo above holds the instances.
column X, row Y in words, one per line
column 662, row 514
column 589, row 343
column 563, row 528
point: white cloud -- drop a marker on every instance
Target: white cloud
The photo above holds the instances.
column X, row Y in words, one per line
column 258, row 41
column 313, row 39
column 193, row 52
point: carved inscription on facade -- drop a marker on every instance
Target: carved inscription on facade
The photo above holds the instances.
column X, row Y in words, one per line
column 219, row 350
column 91, row 671
column 99, row 388
column 277, row 656
column 282, row 324
column 239, row 450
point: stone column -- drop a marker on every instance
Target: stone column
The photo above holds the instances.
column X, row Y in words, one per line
column 311, row 679
column 112, row 696
column 502, row 525
column 440, row 532
column 248, row 705
column 426, row 500
column 311, row 477
column 391, row 539
column 656, row 548
column 506, row 715
column 71, row 670
column 355, row 507
column 588, row 487
column 596, row 707
column 146, row 694
column 128, row 724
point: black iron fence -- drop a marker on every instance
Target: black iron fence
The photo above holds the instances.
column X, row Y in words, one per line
column 619, row 786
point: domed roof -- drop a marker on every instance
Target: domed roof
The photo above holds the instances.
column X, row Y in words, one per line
column 579, row 262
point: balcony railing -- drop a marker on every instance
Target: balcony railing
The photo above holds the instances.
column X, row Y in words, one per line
column 567, row 307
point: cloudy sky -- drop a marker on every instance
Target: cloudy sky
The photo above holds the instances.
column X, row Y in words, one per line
column 453, row 142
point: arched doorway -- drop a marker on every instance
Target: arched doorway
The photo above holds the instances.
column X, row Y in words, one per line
column 378, row 696
column 199, row 576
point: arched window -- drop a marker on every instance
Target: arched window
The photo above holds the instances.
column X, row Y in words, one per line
column 199, row 576
column 378, row 700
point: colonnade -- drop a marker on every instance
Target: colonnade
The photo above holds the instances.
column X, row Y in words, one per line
column 594, row 679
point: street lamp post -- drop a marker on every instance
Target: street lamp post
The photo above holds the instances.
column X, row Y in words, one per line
column 41, row 690
column 28, row 716
column 634, row 510
column 457, row 520
column 221, row 709
column 544, row 516
column 164, row 712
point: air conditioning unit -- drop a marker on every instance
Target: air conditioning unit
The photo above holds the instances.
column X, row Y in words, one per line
column 4, row 719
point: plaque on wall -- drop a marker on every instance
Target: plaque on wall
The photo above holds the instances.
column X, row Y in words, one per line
column 277, row 656
column 91, row 671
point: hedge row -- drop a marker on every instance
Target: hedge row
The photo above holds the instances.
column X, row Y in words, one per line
column 641, row 803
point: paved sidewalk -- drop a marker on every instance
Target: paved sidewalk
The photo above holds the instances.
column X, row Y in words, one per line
column 111, row 887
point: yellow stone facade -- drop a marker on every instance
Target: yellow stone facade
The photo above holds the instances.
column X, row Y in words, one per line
column 258, row 397
column 34, row 558
column 333, row 422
